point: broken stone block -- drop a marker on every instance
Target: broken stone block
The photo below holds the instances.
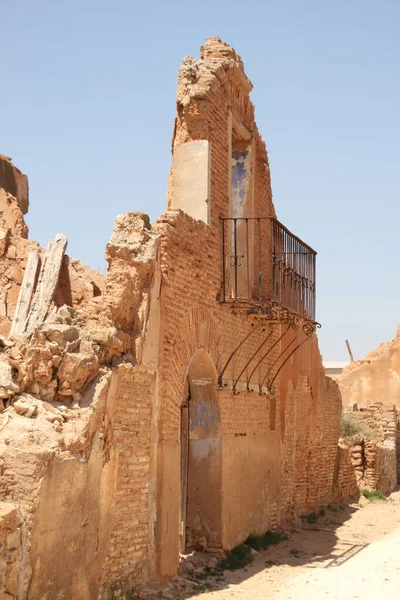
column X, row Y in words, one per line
column 75, row 371
column 4, row 231
column 14, row 540
column 59, row 333
column 7, row 385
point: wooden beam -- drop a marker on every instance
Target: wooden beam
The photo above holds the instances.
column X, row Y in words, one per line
column 48, row 279
column 349, row 350
column 25, row 293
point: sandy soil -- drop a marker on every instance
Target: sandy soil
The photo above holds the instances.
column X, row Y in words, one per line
column 352, row 553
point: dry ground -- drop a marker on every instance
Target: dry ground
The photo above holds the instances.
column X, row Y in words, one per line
column 352, row 553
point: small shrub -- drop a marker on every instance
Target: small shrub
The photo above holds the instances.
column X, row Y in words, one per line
column 374, row 495
column 203, row 587
column 322, row 512
column 295, row 553
column 119, row 593
column 262, row 542
column 353, row 426
column 271, row 563
column 238, row 558
column 311, row 518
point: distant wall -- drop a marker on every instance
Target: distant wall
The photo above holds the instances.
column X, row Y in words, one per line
column 376, row 378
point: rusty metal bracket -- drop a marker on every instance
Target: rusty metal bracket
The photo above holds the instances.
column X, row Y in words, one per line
column 262, row 322
column 253, row 356
column 285, row 361
column 265, row 355
column 275, row 361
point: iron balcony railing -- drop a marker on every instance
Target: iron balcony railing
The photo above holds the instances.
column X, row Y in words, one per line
column 263, row 262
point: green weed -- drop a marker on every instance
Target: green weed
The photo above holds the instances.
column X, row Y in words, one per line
column 238, row 558
column 311, row 518
column 374, row 495
column 262, row 542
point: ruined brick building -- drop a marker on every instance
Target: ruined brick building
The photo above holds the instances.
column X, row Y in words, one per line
column 179, row 401
column 370, row 390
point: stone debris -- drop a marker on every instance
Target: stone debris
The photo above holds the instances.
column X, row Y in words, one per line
column 8, row 386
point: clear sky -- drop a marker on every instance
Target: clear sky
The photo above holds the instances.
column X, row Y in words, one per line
column 87, row 96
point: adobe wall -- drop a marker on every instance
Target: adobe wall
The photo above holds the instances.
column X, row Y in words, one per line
column 374, row 378
column 371, row 386
column 77, row 433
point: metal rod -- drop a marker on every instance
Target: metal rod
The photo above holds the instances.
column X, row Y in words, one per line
column 223, row 261
column 235, row 259
column 266, row 354
column 276, row 360
column 259, row 260
column 262, row 322
column 285, row 361
column 253, row 356
column 248, row 260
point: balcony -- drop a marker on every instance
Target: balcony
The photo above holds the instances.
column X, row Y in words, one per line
column 265, row 266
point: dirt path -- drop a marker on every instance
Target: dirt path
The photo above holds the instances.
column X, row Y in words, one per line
column 353, row 553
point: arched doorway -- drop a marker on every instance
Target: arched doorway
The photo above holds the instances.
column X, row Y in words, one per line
column 200, row 458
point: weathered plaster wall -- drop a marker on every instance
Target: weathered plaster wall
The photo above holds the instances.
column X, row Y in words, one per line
column 13, row 560
column 73, row 525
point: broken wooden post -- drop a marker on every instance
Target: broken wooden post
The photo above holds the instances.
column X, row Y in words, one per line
column 48, row 279
column 25, row 293
column 349, row 350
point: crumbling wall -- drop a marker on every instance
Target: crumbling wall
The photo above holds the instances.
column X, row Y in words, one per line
column 13, row 565
column 78, row 284
column 374, row 378
column 77, row 424
column 373, row 450
column 345, row 482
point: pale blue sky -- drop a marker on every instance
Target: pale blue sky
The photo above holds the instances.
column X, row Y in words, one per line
column 88, row 101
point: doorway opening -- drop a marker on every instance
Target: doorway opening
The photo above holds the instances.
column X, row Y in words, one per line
column 200, row 522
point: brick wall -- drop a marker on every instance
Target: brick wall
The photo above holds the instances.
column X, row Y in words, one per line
column 130, row 550
column 373, row 451
column 279, row 448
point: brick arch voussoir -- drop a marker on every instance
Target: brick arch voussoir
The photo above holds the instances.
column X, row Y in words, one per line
column 199, row 330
